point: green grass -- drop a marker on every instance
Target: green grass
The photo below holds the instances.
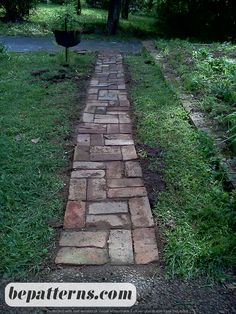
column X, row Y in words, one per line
column 41, row 21
column 197, row 214
column 208, row 71
column 31, row 178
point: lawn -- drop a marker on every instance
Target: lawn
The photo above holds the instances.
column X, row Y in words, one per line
column 36, row 123
column 196, row 214
column 207, row 71
column 41, row 21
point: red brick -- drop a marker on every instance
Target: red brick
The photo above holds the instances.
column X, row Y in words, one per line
column 145, row 246
column 83, row 165
column 74, row 215
column 112, row 128
column 141, row 214
column 96, row 189
column 81, row 153
column 125, row 128
column 129, row 152
column 96, row 140
column 103, row 153
column 126, row 192
column 88, row 174
column 124, row 182
column 115, row 169
column 107, row 208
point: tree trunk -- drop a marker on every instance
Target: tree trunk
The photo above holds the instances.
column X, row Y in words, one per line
column 113, row 16
column 125, row 9
column 11, row 14
column 78, row 9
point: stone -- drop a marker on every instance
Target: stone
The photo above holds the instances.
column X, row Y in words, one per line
column 113, row 128
column 85, row 165
column 90, row 109
column 118, row 139
column 120, row 247
column 106, row 118
column 83, row 140
column 81, row 256
column 87, row 117
column 96, row 140
column 124, row 118
column 92, row 91
column 133, row 169
column 124, row 103
column 84, row 238
column 92, row 128
column 77, row 189
column 129, row 152
column 107, row 208
column 141, row 214
column 88, row 174
column 74, row 215
column 96, row 189
column 125, row 128
column 108, row 221
column 81, row 153
column 124, row 182
column 103, row 153
column 127, row 192
column 115, row 169
column 145, row 246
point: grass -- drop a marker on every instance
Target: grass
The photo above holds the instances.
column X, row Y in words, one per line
column 41, row 21
column 35, row 126
column 208, row 71
column 197, row 214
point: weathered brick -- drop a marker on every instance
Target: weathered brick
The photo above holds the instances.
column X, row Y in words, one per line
column 145, row 245
column 83, row 140
column 106, row 118
column 124, row 182
column 115, row 169
column 112, row 128
column 118, row 139
column 108, row 221
column 85, row 165
column 124, row 118
column 81, row 153
column 88, row 174
column 126, row 128
column 107, row 208
column 120, row 247
column 74, row 215
column 77, row 190
column 102, row 153
column 96, row 140
column 84, row 238
column 129, row 152
column 92, row 128
column 96, row 189
column 127, row 192
column 141, row 214
column 87, row 117
column 133, row 169
column 81, row 256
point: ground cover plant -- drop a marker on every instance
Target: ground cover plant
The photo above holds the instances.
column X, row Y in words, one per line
column 92, row 20
column 39, row 102
column 196, row 213
column 208, row 71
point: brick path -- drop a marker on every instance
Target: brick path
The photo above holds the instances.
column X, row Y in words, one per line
column 108, row 217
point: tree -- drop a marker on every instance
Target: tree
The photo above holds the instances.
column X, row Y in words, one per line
column 125, row 9
column 113, row 16
column 78, row 7
column 16, row 10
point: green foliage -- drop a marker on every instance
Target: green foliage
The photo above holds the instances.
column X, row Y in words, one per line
column 69, row 13
column 197, row 214
column 31, row 179
column 213, row 19
column 16, row 10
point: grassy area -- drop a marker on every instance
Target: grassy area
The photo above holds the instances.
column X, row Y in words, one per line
column 36, row 122
column 208, row 71
column 196, row 212
column 41, row 21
